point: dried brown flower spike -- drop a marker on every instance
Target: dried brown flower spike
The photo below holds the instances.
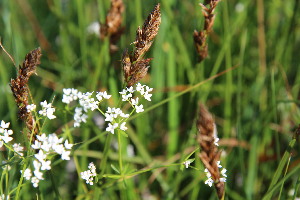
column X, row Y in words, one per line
column 134, row 66
column 20, row 89
column 209, row 154
column 112, row 26
column 200, row 37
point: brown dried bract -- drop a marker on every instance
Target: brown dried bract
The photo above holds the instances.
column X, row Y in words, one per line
column 20, row 89
column 209, row 154
column 134, row 66
column 200, row 37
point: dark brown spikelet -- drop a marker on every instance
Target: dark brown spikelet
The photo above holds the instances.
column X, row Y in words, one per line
column 112, row 27
column 200, row 37
column 135, row 67
column 209, row 154
column 20, row 89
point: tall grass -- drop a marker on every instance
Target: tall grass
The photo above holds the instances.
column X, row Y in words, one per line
column 255, row 106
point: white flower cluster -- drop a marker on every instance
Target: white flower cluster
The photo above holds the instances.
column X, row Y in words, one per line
column 86, row 102
column 209, row 180
column 5, row 133
column 70, row 94
column 47, row 109
column 89, row 174
column 116, row 118
column 5, row 137
column 142, row 89
column 46, row 145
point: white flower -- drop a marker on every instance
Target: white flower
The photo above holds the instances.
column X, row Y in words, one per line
column 101, row 95
column 27, row 174
column 40, row 156
column 148, row 96
column 223, row 180
column 111, row 128
column 139, row 87
column 38, row 174
column 35, row 181
column 209, row 182
column 124, row 115
column 139, row 108
column 68, row 145
column 123, row 127
column 4, row 125
column 216, row 140
column 79, row 116
column 135, row 102
column 47, row 110
column 187, row 163
column 58, row 148
column 6, row 136
column 125, row 96
column 218, row 164
column 65, row 155
column 42, row 137
column 46, row 165
column 223, row 172
column 31, row 107
column 109, row 117
column 36, row 145
column 18, row 148
column 208, row 174
column 46, row 146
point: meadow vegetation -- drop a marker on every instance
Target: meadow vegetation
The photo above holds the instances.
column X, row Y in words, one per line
column 149, row 99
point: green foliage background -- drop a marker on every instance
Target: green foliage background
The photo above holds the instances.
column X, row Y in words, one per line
column 256, row 106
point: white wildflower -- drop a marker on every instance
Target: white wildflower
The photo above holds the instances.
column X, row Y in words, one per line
column 31, row 107
column 111, row 127
column 123, row 127
column 79, row 116
column 35, row 181
column 47, row 110
column 219, row 164
column 27, row 174
column 209, row 182
column 139, row 108
column 223, row 172
column 186, row 163
column 89, row 174
column 70, row 94
column 18, row 148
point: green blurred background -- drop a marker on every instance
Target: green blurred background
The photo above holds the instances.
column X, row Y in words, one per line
column 256, row 106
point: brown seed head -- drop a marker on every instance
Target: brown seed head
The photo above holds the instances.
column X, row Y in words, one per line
column 134, row 66
column 209, row 154
column 20, row 89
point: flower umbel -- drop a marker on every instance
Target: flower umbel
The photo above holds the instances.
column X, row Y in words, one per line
column 90, row 174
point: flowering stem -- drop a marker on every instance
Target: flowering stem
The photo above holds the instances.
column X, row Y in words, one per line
column 120, row 152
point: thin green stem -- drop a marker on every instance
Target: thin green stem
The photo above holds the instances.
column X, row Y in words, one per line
column 120, row 152
column 105, row 155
